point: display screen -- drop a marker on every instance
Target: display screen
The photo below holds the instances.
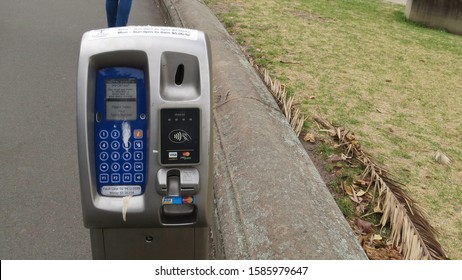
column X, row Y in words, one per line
column 121, row 99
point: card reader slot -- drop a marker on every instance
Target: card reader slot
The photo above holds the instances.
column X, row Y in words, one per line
column 173, row 185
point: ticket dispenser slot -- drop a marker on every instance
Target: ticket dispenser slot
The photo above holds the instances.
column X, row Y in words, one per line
column 145, row 142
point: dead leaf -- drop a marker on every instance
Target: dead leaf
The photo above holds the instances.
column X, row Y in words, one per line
column 312, row 97
column 350, row 137
column 345, row 157
column 309, row 137
column 337, row 171
column 361, row 182
column 348, row 190
column 377, row 237
column 364, row 226
column 356, row 199
column 336, row 158
column 440, row 157
column 360, row 209
column 360, row 193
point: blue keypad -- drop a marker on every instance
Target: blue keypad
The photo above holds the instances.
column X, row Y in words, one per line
column 119, row 164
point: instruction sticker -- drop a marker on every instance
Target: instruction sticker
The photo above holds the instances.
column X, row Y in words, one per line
column 155, row 31
column 121, row 190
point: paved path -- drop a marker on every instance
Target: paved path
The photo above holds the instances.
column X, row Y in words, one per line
column 40, row 212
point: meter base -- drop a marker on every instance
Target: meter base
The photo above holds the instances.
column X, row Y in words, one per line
column 172, row 243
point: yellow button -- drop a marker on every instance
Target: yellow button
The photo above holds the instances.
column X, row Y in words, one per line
column 138, row 133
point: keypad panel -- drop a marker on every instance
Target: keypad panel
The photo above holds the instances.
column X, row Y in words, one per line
column 120, row 165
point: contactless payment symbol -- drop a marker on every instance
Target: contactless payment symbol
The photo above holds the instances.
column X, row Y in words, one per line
column 179, row 136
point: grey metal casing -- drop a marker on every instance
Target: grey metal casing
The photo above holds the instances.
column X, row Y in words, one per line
column 158, row 51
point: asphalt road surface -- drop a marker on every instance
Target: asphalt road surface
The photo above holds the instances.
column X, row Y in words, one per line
column 40, row 209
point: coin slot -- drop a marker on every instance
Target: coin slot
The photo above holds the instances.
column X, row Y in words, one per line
column 179, row 76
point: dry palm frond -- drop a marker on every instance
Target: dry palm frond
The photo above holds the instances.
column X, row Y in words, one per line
column 285, row 102
column 410, row 230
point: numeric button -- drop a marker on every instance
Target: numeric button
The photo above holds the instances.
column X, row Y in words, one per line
column 115, row 167
column 115, row 134
column 103, row 134
column 115, row 156
column 103, row 156
column 103, row 145
column 127, row 156
column 115, row 145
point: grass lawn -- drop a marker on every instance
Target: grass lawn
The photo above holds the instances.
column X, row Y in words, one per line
column 360, row 64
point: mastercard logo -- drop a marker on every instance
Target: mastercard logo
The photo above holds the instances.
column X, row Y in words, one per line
column 186, row 154
column 187, row 200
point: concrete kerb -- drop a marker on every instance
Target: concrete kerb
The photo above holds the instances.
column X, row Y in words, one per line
column 271, row 202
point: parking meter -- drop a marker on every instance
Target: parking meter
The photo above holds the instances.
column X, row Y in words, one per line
column 144, row 142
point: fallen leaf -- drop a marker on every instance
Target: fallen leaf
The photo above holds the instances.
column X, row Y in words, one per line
column 337, row 171
column 312, row 97
column 364, row 226
column 377, row 237
column 361, row 182
column 360, row 193
column 356, row 199
column 377, row 209
column 309, row 137
column 345, row 157
column 440, row 157
column 348, row 190
column 360, row 209
column 336, row 158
